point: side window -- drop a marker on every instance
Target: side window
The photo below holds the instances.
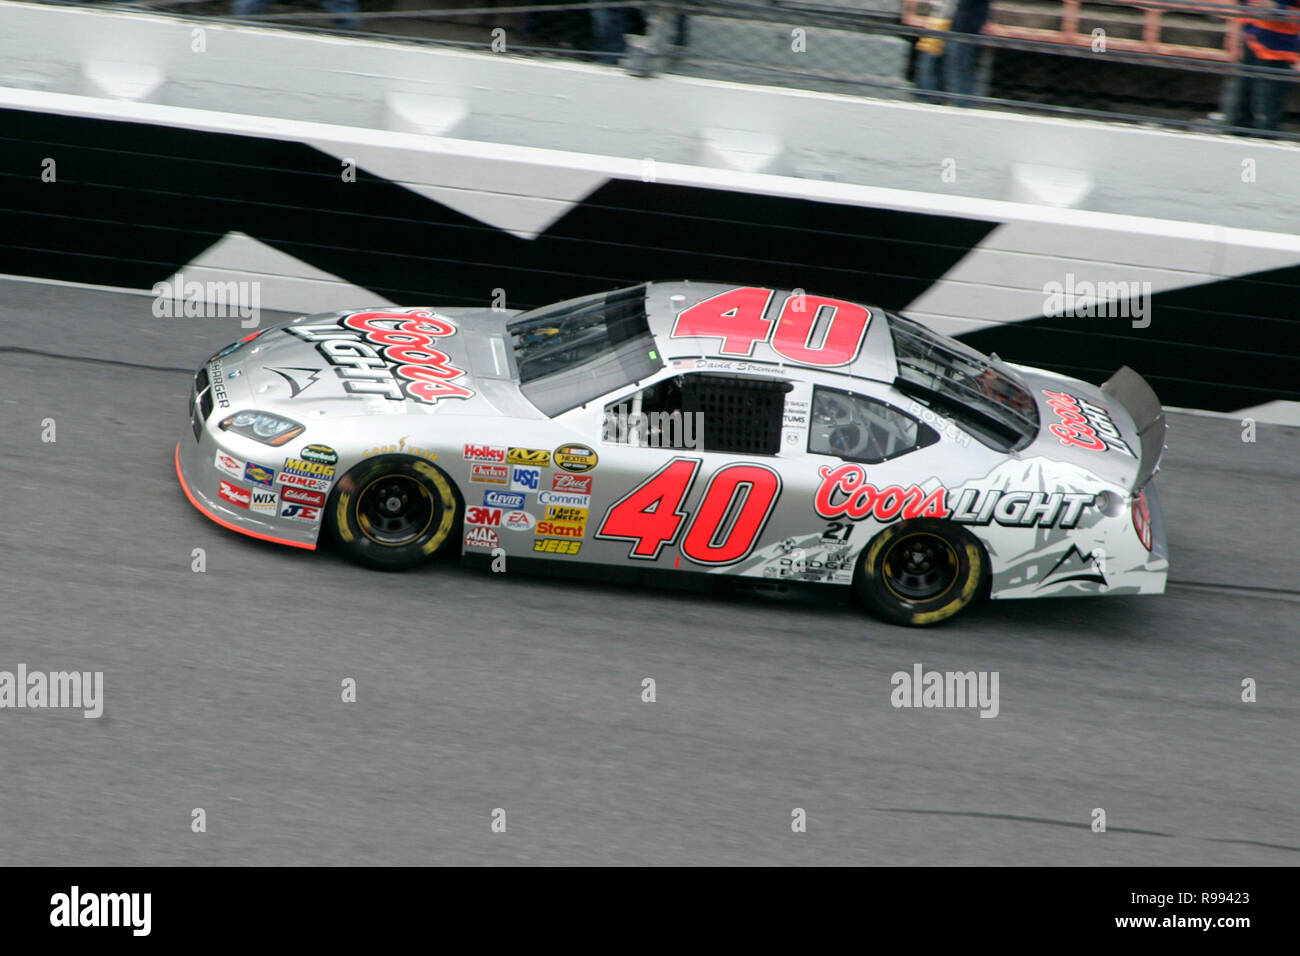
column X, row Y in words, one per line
column 863, row 429
column 702, row 412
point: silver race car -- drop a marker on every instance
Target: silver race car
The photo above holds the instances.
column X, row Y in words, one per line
column 676, row 428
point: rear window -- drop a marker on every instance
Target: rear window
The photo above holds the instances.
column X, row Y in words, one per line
column 984, row 397
column 576, row 351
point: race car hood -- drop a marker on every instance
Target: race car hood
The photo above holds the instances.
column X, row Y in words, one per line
column 381, row 361
column 1115, row 431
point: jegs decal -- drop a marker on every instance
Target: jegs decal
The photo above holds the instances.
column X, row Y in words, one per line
column 1084, row 424
column 390, row 354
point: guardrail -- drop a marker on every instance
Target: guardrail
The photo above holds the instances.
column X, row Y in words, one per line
column 1004, row 23
column 1149, row 65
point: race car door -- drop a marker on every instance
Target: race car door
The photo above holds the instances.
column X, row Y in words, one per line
column 691, row 476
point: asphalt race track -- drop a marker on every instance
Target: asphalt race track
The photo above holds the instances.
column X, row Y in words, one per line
column 478, row 691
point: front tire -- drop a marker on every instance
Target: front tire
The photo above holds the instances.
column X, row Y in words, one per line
column 394, row 512
column 921, row 572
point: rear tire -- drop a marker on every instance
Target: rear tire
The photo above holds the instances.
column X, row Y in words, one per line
column 921, row 572
column 394, row 512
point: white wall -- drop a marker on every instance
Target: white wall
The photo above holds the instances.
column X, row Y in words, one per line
column 554, row 105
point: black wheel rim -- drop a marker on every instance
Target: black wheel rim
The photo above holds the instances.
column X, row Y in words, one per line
column 395, row 510
column 920, row 566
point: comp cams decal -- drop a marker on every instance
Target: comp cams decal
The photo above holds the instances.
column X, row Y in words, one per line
column 389, row 354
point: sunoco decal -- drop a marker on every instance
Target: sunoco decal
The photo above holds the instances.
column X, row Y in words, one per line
column 390, row 354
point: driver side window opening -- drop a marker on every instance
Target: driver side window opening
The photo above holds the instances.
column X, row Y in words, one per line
column 857, row 428
column 702, row 412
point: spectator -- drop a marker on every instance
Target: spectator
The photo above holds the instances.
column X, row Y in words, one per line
column 346, row 20
column 1257, row 102
column 929, row 50
column 960, row 59
column 609, row 25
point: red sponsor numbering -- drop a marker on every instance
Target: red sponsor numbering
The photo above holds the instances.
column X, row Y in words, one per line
column 738, row 317
column 652, row 514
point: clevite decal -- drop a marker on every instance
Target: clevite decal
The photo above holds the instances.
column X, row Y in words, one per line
column 390, row 354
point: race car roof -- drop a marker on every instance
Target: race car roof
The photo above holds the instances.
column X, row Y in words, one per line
column 766, row 329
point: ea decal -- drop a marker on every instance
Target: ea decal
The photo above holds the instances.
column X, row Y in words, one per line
column 575, row 458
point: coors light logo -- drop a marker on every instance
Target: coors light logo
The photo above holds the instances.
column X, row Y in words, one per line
column 390, row 354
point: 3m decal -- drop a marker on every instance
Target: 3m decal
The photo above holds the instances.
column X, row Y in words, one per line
column 491, row 517
column 727, row 523
column 389, row 354
column 1084, row 425
column 810, row 330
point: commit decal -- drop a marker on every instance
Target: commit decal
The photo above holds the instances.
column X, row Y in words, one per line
column 390, row 354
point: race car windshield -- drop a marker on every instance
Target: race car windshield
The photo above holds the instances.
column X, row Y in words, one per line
column 571, row 353
column 963, row 384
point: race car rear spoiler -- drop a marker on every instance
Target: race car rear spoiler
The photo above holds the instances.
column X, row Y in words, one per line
column 1129, row 389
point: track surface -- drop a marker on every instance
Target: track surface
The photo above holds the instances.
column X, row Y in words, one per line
column 478, row 691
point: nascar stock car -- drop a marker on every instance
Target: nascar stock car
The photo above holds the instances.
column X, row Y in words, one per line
column 685, row 427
